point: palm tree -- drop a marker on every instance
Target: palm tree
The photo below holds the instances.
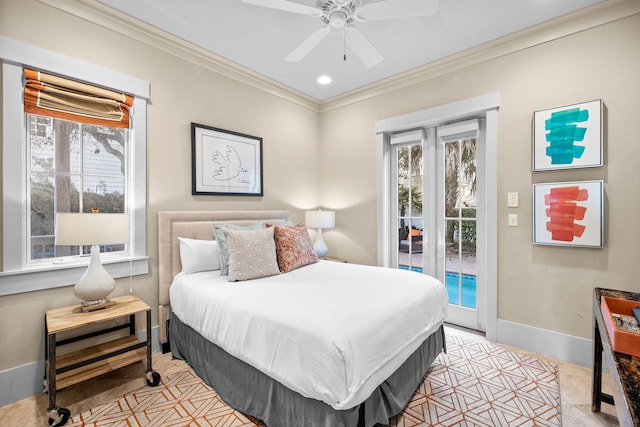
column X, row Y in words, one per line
column 409, row 165
column 459, row 154
column 415, row 168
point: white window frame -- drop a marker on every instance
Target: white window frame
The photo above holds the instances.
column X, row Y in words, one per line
column 17, row 275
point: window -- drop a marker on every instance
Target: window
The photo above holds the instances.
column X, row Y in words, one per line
column 53, row 164
column 73, row 167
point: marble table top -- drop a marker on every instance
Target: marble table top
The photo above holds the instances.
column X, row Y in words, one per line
column 628, row 366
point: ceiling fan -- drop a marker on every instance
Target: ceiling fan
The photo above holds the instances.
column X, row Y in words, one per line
column 342, row 15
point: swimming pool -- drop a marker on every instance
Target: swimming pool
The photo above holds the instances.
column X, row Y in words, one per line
column 452, row 283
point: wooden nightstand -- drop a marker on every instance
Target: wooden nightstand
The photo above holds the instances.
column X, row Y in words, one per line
column 328, row 258
column 77, row 366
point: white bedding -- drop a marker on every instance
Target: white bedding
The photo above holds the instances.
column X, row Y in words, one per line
column 330, row 331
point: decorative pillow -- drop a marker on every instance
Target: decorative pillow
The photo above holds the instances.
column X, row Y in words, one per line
column 293, row 247
column 252, row 254
column 222, row 243
column 198, row 255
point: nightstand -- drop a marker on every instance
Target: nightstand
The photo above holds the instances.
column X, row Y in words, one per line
column 328, row 258
column 77, row 366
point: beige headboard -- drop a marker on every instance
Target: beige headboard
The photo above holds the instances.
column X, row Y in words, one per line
column 194, row 225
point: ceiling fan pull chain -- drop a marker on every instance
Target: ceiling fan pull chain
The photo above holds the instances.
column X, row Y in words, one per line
column 344, row 43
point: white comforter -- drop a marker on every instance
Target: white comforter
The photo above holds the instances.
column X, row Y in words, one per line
column 330, row 331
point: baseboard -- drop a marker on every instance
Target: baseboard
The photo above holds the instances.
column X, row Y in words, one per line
column 28, row 380
column 548, row 343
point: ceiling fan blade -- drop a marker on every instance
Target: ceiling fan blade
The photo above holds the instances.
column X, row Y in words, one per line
column 362, row 47
column 306, row 46
column 286, row 5
column 395, row 9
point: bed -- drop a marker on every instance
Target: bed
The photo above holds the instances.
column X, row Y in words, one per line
column 315, row 346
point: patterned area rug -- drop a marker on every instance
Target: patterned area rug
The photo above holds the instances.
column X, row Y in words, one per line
column 475, row 384
column 481, row 384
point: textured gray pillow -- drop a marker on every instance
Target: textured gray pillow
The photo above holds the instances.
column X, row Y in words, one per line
column 222, row 241
column 252, row 254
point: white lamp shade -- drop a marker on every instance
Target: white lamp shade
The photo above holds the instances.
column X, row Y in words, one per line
column 91, row 228
column 320, row 219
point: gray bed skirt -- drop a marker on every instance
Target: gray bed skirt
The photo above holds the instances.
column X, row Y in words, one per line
column 251, row 392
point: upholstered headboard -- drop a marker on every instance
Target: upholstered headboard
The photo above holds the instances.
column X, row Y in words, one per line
column 194, row 225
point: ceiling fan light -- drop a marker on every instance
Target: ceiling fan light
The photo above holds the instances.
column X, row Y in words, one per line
column 324, row 80
column 338, row 19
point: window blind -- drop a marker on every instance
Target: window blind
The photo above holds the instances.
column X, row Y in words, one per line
column 410, row 137
column 62, row 98
column 458, row 130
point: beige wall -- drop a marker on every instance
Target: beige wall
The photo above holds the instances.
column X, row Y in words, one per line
column 544, row 287
column 181, row 93
column 540, row 286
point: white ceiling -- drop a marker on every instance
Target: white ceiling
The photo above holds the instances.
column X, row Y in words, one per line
column 259, row 38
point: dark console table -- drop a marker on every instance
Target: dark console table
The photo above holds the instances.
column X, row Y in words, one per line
column 624, row 368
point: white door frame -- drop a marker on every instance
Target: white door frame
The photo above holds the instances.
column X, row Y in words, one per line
column 481, row 106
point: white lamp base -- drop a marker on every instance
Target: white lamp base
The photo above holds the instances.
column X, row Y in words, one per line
column 319, row 246
column 96, row 283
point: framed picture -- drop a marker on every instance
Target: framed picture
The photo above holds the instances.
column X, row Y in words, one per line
column 568, row 137
column 225, row 162
column 568, row 214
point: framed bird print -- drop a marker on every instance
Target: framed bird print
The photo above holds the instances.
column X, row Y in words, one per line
column 225, row 162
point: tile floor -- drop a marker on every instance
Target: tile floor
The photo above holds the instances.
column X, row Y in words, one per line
column 575, row 386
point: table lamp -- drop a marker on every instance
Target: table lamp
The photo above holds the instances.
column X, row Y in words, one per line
column 320, row 219
column 92, row 229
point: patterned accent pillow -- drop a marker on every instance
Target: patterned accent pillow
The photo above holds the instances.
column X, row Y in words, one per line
column 252, row 254
column 222, row 241
column 293, row 247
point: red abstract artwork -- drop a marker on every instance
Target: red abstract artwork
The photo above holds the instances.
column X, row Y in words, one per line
column 563, row 210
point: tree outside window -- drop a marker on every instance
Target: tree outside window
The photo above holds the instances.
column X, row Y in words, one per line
column 409, row 177
column 74, row 167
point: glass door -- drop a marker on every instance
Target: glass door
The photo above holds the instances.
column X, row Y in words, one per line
column 459, row 225
column 436, row 204
column 409, row 193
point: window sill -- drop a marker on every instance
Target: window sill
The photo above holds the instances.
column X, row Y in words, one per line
column 65, row 274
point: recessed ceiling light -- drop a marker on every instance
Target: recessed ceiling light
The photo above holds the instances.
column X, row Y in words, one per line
column 324, row 80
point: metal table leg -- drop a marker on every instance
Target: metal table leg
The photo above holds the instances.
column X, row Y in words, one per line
column 153, row 378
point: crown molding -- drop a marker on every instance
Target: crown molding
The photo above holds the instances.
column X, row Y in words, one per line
column 100, row 14
column 97, row 13
column 591, row 17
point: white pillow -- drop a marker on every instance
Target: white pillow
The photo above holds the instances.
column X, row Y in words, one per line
column 199, row 255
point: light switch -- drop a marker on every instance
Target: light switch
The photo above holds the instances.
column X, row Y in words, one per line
column 512, row 200
column 513, row 220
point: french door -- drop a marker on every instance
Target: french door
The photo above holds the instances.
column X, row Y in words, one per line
column 437, row 200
